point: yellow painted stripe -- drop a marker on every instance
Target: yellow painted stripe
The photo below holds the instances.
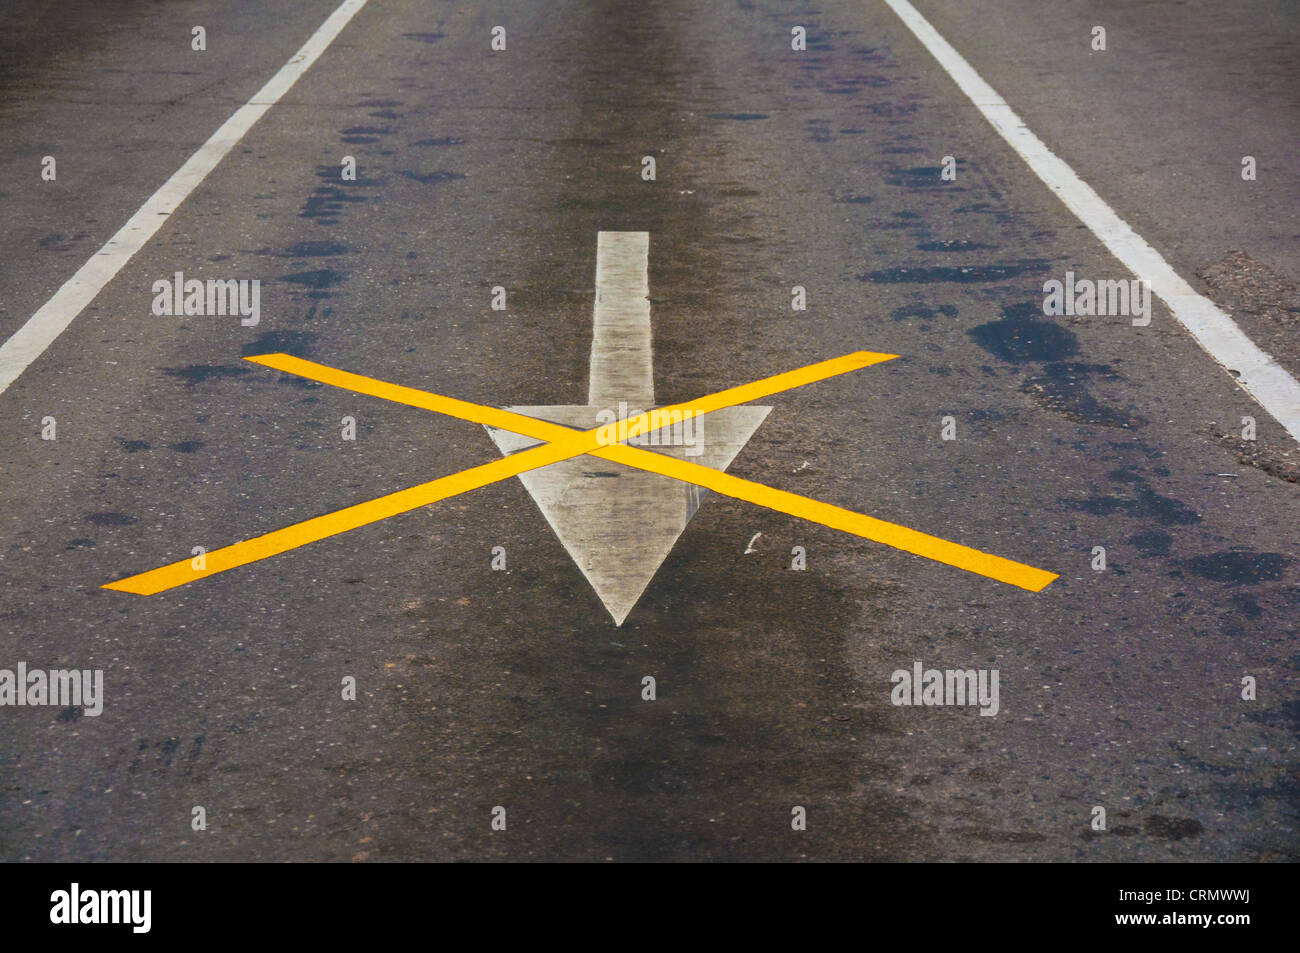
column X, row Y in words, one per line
column 394, row 392
column 881, row 531
column 868, row 527
column 505, row 420
column 574, row 443
column 309, row 531
column 836, row 517
column 857, row 524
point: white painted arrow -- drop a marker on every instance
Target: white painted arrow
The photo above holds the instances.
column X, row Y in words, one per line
column 619, row 523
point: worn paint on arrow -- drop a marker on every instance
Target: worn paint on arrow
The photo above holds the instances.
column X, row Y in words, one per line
column 621, row 363
column 619, row 523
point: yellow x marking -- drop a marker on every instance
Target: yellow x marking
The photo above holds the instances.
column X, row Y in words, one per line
column 563, row 443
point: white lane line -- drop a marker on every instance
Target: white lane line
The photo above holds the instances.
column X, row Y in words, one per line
column 621, row 363
column 53, row 318
column 1261, row 376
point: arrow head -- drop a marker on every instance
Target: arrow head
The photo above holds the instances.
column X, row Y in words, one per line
column 617, row 522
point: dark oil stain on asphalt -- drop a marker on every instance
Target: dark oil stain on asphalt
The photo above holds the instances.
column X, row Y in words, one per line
column 109, row 519
column 925, row 178
column 1022, row 336
column 317, row 280
column 297, row 343
column 327, row 202
column 1119, row 830
column 1152, row 543
column 742, row 117
column 316, row 249
column 953, row 245
column 902, row 221
column 186, row 446
column 743, row 713
column 969, row 274
column 1238, row 567
column 818, row 130
column 1000, row 214
column 332, row 174
column 921, row 311
column 1172, row 828
column 442, row 141
column 854, row 85
column 57, row 241
column 1143, row 503
column 1286, row 716
column 194, row 374
column 133, row 446
column 1062, row 389
column 1247, row 605
column 431, row 178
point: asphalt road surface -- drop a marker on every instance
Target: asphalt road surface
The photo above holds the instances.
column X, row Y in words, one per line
column 481, row 688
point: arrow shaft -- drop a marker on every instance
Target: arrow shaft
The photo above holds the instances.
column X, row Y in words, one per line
column 622, row 368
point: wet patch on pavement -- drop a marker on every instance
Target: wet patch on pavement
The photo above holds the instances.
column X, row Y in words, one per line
column 965, row 274
column 1142, row 502
column 1238, row 567
column 1062, row 389
column 194, row 374
column 1022, row 336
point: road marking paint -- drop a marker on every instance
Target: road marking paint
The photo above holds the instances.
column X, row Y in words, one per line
column 857, row 524
column 53, row 317
column 568, row 444
column 618, row 531
column 1258, row 373
column 836, row 517
column 619, row 524
column 890, row 534
column 581, row 441
column 621, row 363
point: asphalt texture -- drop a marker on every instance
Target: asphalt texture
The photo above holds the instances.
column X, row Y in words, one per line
column 479, row 688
